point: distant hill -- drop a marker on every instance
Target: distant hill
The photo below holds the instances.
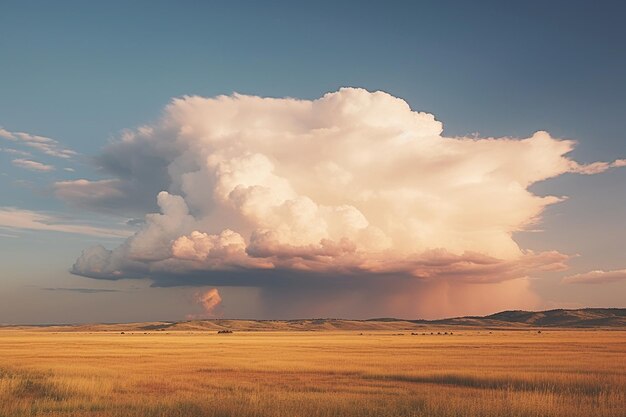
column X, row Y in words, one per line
column 515, row 319
column 581, row 318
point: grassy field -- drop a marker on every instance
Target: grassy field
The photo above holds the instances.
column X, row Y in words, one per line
column 471, row 373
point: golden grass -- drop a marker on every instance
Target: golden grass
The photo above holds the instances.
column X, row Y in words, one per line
column 506, row 373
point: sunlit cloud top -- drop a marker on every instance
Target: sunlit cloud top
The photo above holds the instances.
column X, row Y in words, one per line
column 355, row 182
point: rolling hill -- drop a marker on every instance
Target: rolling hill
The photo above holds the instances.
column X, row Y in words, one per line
column 580, row 318
column 515, row 319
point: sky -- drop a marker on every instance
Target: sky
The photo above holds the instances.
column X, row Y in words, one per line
column 176, row 160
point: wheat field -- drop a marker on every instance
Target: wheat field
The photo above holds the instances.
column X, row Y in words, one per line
column 331, row 373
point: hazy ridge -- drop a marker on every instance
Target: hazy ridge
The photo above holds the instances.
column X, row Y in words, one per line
column 513, row 319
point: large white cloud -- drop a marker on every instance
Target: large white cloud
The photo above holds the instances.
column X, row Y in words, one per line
column 352, row 183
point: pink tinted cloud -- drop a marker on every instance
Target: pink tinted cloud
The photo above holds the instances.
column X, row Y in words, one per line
column 596, row 277
column 32, row 165
column 210, row 301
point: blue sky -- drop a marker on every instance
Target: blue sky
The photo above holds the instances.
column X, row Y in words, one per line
column 81, row 72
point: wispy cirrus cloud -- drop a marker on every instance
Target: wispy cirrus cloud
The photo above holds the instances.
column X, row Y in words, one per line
column 15, row 152
column 12, row 218
column 32, row 165
column 42, row 144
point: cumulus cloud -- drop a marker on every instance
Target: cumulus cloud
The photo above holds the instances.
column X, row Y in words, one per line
column 596, row 277
column 32, row 165
column 17, row 219
column 43, row 144
column 252, row 191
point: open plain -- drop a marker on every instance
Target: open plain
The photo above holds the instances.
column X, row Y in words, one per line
column 471, row 372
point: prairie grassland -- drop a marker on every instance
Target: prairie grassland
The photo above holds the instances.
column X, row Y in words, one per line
column 471, row 373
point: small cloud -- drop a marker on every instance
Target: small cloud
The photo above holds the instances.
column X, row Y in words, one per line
column 135, row 222
column 69, row 169
column 32, row 165
column 15, row 151
column 596, row 167
column 23, row 183
column 210, row 301
column 103, row 195
column 43, row 144
column 596, row 277
column 18, row 219
column 6, row 134
column 81, row 290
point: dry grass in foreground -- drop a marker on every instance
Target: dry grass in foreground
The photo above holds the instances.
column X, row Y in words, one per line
column 471, row 373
